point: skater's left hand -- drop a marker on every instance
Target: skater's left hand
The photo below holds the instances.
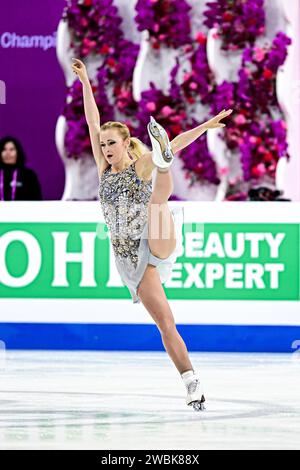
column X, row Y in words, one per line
column 214, row 122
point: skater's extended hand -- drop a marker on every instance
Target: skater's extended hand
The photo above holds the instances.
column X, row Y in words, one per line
column 214, row 122
column 79, row 69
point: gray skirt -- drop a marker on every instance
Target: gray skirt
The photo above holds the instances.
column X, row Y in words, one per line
column 132, row 277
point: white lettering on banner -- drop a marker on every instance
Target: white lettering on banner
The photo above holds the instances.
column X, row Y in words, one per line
column 194, row 244
column 175, row 279
column 253, row 276
column 208, row 275
column 274, row 270
column 235, row 275
column 193, row 275
column 14, row 41
column 86, row 257
column 274, row 243
column 34, row 258
column 234, row 252
column 234, row 271
column 215, row 246
column 254, row 239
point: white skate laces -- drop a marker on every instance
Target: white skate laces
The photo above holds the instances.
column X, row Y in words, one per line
column 195, row 394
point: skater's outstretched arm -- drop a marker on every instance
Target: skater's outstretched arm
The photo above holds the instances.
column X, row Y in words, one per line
column 92, row 114
column 186, row 138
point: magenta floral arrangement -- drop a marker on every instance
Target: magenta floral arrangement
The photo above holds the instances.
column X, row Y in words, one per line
column 171, row 112
column 76, row 139
column 258, row 73
column 253, row 132
column 238, row 22
column 167, row 21
column 198, row 162
column 198, row 83
column 119, row 58
column 261, row 147
column 260, row 139
column 92, row 23
column 119, row 63
column 117, row 68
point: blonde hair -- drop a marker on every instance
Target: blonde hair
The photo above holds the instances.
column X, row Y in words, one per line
column 136, row 147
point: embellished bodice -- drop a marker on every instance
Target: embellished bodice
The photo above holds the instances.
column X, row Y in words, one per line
column 124, row 199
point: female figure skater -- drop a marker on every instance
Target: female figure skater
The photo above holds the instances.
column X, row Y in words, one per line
column 139, row 218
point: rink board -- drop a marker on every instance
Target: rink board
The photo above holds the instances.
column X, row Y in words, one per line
column 234, row 288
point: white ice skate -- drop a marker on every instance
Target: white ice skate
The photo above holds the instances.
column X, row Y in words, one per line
column 162, row 154
column 195, row 395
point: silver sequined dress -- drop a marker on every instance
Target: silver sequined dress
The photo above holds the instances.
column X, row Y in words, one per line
column 124, row 199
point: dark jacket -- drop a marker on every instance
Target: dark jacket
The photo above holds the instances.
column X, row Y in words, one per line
column 28, row 186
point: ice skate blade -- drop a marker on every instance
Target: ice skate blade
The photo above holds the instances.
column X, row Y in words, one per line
column 196, row 402
column 157, row 138
column 165, row 150
column 197, row 405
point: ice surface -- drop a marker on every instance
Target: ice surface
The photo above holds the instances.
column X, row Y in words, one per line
column 136, row 400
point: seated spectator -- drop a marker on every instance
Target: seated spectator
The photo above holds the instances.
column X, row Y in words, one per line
column 17, row 183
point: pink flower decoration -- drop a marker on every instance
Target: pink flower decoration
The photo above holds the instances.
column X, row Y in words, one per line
column 224, row 170
column 176, row 118
column 124, row 94
column 261, row 167
column 216, row 35
column 233, row 181
column 187, row 76
column 259, row 54
column 240, row 119
column 193, row 86
column 84, row 22
column 261, row 149
column 151, row 106
column 259, row 170
column 88, row 45
column 166, row 111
